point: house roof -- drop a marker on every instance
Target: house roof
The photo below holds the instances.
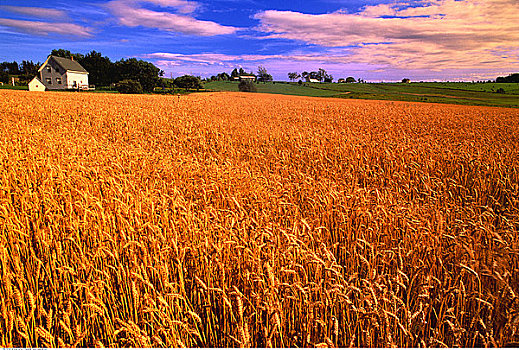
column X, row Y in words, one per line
column 66, row 63
column 69, row 64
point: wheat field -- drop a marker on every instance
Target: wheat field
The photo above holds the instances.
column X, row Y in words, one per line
column 251, row 220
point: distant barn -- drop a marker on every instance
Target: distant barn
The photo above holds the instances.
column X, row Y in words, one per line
column 247, row 78
column 312, row 80
column 59, row 73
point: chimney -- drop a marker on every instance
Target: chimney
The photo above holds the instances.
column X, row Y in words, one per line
column 72, row 58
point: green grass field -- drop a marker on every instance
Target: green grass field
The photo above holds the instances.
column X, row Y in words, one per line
column 10, row 87
column 283, row 88
column 478, row 94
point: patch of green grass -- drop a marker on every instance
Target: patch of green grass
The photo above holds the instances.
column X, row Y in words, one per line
column 17, row 87
column 510, row 88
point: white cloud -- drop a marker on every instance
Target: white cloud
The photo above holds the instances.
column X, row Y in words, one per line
column 46, row 28
column 449, row 33
column 129, row 13
column 40, row 12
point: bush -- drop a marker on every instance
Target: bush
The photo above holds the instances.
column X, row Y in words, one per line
column 246, row 86
column 500, row 91
column 129, row 86
column 188, row 82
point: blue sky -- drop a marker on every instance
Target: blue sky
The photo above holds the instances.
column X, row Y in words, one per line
column 369, row 39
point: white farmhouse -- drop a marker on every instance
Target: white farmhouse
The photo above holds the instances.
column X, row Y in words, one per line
column 59, row 73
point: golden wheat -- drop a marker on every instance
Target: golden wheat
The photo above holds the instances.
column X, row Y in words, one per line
column 233, row 219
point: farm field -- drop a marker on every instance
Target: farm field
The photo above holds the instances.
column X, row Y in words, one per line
column 472, row 94
column 256, row 220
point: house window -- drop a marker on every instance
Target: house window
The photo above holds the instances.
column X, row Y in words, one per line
column 49, row 81
column 58, row 81
column 48, row 69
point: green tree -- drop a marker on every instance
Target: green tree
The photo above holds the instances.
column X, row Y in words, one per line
column 167, row 83
column 101, row 70
column 322, row 75
column 188, row 82
column 350, row 80
column 61, row 53
column 66, row 54
column 512, row 78
column 4, row 76
column 223, row 76
column 263, row 75
column 11, row 68
column 144, row 72
column 28, row 69
column 293, row 76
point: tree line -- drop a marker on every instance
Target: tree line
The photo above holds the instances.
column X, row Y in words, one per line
column 261, row 76
column 102, row 71
column 322, row 76
column 24, row 71
column 512, row 78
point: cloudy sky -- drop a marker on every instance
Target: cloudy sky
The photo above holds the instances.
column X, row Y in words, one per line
column 377, row 40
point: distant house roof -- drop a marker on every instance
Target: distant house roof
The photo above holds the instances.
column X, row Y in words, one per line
column 247, row 77
column 66, row 63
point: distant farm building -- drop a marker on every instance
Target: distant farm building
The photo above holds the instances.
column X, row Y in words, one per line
column 312, row 77
column 59, row 73
column 341, row 80
column 36, row 85
column 247, row 78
